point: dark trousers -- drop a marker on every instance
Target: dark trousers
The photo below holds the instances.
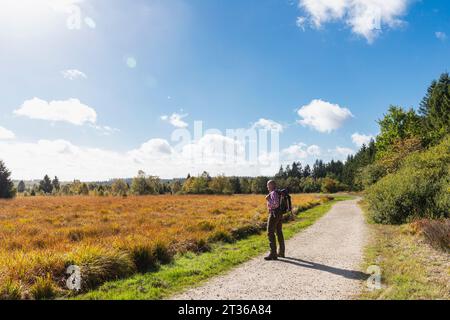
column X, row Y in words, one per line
column 275, row 225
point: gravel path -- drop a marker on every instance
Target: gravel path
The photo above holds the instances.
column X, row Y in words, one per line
column 322, row 263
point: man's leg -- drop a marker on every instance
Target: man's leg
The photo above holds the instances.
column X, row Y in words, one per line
column 280, row 236
column 271, row 228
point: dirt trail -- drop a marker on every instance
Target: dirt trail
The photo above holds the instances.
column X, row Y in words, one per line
column 322, row 263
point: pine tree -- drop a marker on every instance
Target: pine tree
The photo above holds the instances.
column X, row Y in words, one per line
column 296, row 170
column 435, row 109
column 45, row 185
column 6, row 185
column 21, row 187
column 55, row 183
column 280, row 173
column 307, row 171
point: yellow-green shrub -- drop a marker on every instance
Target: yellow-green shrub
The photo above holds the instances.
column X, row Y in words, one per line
column 419, row 189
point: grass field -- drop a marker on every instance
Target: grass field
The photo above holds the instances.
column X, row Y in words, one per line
column 411, row 268
column 113, row 238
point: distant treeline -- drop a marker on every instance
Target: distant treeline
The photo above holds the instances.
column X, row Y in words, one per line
column 328, row 177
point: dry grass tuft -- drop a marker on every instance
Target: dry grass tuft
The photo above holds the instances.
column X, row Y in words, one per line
column 437, row 232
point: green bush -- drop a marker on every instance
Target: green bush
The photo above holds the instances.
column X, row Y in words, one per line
column 329, row 185
column 310, row 185
column 370, row 175
column 419, row 189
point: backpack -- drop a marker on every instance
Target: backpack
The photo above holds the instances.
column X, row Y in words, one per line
column 285, row 201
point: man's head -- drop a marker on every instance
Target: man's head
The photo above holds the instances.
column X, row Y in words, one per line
column 271, row 185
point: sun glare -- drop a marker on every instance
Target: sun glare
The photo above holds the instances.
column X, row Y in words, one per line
column 23, row 14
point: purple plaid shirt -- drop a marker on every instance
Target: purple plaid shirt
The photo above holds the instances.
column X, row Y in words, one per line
column 274, row 201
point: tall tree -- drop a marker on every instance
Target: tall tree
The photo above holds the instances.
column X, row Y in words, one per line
column 319, row 170
column 6, row 185
column 21, row 187
column 55, row 183
column 236, row 185
column 45, row 185
column 280, row 173
column 259, row 185
column 435, row 109
column 296, row 170
column 307, row 171
column 176, row 186
column 396, row 125
column 84, row 189
column 119, row 188
column 139, row 186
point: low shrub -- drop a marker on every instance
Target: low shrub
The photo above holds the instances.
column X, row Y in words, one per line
column 420, row 189
column 330, row 185
column 370, row 175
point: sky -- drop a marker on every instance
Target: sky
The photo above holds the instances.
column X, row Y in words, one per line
column 99, row 89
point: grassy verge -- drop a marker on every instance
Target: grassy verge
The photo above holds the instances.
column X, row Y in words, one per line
column 192, row 269
column 411, row 268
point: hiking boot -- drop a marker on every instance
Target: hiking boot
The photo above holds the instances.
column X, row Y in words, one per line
column 281, row 255
column 270, row 258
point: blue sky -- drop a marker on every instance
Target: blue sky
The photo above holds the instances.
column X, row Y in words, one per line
column 94, row 89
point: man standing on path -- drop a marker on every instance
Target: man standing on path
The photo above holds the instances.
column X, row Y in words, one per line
column 275, row 223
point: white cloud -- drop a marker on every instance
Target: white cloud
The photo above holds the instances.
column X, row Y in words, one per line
column 176, row 120
column 73, row 74
column 341, row 153
column 366, row 18
column 301, row 21
column 269, row 125
column 6, row 134
column 156, row 157
column 314, row 150
column 62, row 158
column 105, row 130
column 323, row 116
column 441, row 35
column 300, row 151
column 214, row 149
column 361, row 139
column 71, row 110
column 153, row 149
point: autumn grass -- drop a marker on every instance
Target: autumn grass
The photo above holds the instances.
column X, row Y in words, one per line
column 411, row 268
column 115, row 238
column 190, row 269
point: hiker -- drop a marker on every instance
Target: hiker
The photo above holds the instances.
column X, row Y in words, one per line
column 275, row 223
